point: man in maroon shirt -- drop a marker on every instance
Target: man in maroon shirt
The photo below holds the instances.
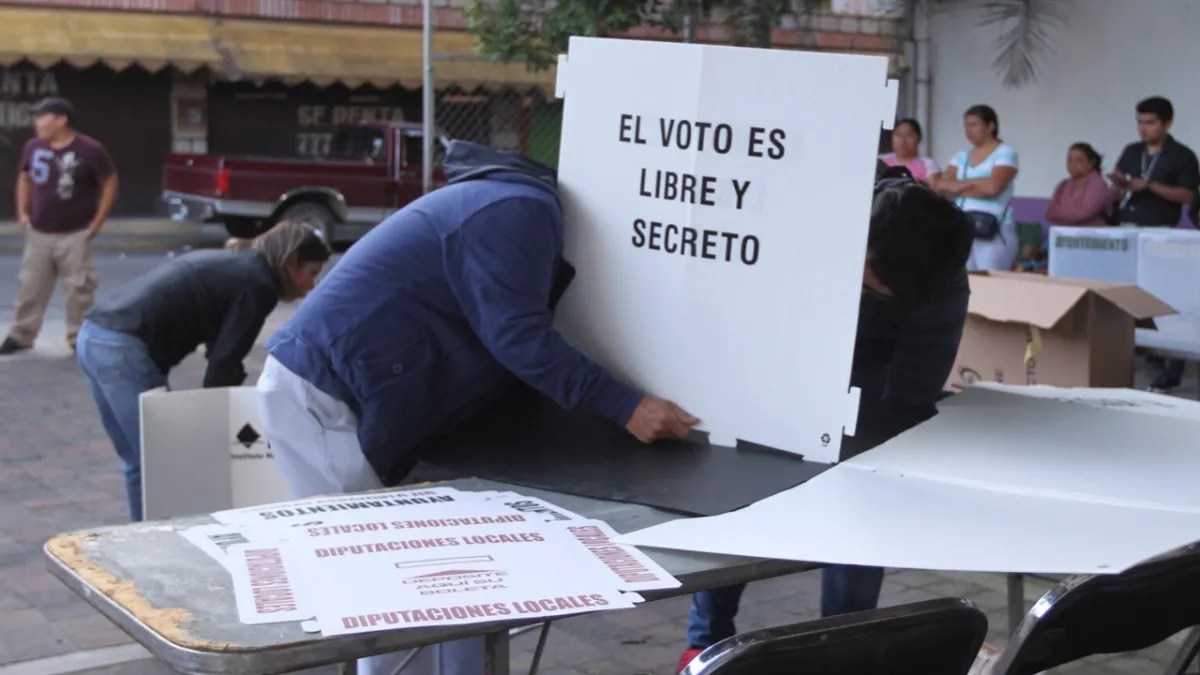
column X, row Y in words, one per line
column 65, row 191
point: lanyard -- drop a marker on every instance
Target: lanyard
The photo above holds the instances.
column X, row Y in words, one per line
column 1148, row 164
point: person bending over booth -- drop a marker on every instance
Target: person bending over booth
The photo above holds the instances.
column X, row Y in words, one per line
column 911, row 315
column 130, row 341
column 424, row 321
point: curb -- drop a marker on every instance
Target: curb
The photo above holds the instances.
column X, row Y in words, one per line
column 125, row 243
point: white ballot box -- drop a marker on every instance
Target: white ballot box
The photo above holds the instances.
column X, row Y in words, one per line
column 1097, row 253
column 1169, row 268
column 716, row 209
column 203, row 451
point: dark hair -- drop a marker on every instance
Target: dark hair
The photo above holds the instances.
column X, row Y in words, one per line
column 918, row 241
column 1157, row 106
column 1088, row 151
column 988, row 115
column 916, row 126
column 55, row 105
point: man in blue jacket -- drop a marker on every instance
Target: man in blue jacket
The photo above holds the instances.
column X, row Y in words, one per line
column 421, row 323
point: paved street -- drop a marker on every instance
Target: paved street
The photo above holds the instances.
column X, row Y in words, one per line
column 58, row 473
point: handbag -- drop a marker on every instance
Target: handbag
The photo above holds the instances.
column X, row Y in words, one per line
column 987, row 225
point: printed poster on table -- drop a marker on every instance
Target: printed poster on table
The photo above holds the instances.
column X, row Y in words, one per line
column 375, row 581
column 269, row 552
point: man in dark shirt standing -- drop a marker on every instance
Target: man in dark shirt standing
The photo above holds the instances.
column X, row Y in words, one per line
column 911, row 315
column 1154, row 181
column 65, row 191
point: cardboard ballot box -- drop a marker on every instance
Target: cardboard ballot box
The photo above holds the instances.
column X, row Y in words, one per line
column 1099, row 253
column 203, row 451
column 1032, row 329
column 1169, row 267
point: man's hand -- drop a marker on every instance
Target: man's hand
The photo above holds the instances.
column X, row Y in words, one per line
column 655, row 419
column 1138, row 184
column 94, row 229
column 23, row 220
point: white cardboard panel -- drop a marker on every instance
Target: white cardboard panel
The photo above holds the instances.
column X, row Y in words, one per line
column 254, row 475
column 1100, row 253
column 1133, row 400
column 1039, row 446
column 196, row 458
column 1003, row 479
column 1169, row 268
column 850, row 515
column 759, row 351
column 185, row 452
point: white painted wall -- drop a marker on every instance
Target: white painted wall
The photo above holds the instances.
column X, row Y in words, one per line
column 1110, row 55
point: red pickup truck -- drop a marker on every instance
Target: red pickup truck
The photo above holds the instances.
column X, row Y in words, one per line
column 372, row 170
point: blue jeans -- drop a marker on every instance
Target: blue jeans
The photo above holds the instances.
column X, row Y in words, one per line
column 844, row 589
column 118, row 369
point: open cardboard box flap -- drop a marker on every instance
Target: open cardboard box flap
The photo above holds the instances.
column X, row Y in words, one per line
column 1014, row 297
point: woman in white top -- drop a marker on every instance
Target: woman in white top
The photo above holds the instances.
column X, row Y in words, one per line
column 980, row 179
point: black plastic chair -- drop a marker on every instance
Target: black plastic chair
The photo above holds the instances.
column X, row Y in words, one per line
column 1109, row 614
column 936, row 637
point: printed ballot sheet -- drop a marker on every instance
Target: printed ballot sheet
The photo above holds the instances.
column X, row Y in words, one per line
column 1003, row 479
column 700, row 204
column 307, row 510
column 354, row 561
column 471, row 574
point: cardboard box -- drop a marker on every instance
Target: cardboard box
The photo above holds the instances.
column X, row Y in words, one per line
column 203, row 451
column 1100, row 253
column 1032, row 329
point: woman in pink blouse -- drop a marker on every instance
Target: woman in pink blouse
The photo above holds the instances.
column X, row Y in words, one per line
column 906, row 139
column 1084, row 198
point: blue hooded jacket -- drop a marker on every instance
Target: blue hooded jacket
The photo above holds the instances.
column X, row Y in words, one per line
column 431, row 313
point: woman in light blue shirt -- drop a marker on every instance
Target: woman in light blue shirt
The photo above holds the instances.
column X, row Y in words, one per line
column 980, row 179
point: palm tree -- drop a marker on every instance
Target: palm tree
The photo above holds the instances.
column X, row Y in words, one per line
column 1026, row 40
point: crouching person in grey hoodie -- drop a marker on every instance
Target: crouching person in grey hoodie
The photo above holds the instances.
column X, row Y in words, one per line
column 422, row 321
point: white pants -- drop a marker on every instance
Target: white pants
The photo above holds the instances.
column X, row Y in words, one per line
column 997, row 254
column 315, row 440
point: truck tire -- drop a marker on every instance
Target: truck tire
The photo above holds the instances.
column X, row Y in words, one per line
column 314, row 214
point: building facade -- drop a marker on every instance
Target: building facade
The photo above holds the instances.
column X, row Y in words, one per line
column 150, row 77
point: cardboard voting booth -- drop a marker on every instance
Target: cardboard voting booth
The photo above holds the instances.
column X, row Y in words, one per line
column 1096, row 253
column 1031, row 329
column 1169, row 267
column 203, row 451
column 718, row 221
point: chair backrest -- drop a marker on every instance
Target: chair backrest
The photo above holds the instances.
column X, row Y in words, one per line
column 1107, row 614
column 936, row 637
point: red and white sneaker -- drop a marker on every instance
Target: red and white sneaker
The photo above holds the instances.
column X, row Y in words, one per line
column 688, row 655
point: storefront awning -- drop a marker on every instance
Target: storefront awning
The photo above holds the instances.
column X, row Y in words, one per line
column 325, row 54
column 258, row 49
column 117, row 39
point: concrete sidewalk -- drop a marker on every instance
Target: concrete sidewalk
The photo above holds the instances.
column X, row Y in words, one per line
column 130, row 234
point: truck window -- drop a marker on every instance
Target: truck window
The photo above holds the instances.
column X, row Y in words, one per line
column 413, row 150
column 358, row 143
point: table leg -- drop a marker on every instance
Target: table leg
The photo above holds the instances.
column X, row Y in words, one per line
column 496, row 653
column 1016, row 602
column 541, row 646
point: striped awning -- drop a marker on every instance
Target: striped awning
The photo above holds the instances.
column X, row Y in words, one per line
column 293, row 51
